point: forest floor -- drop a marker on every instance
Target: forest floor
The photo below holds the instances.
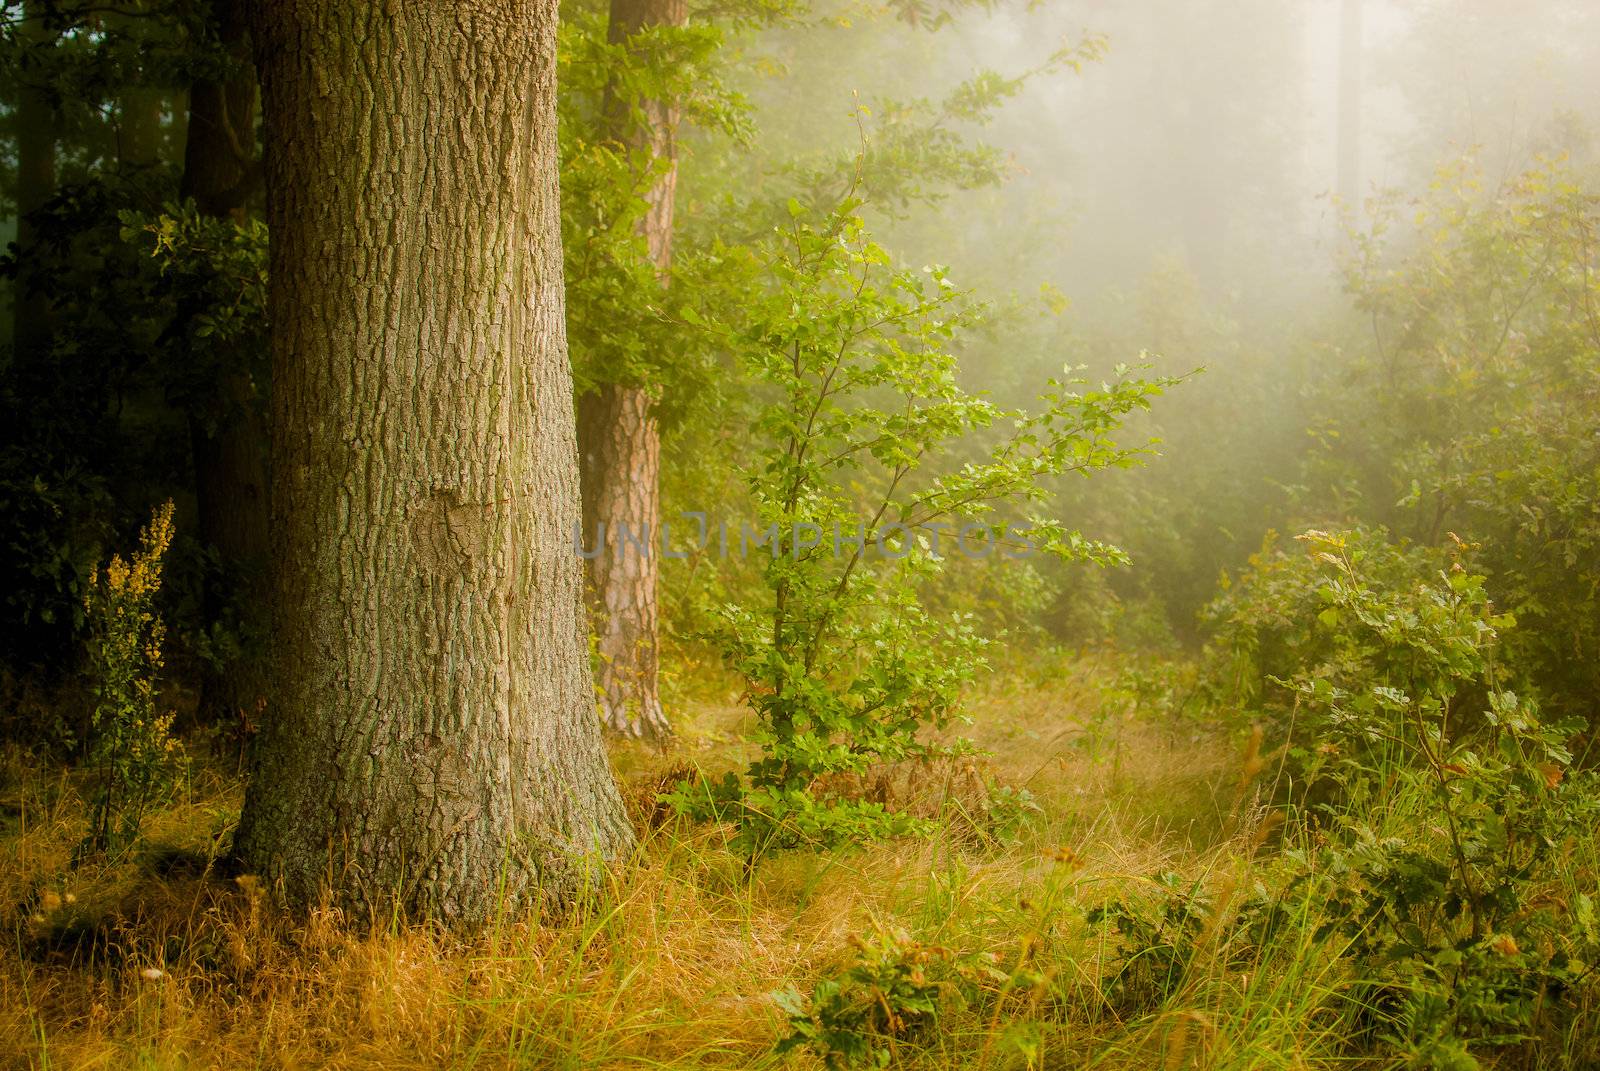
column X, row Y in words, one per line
column 160, row 961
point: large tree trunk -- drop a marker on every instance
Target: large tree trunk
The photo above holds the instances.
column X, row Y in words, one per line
column 431, row 742
column 229, row 442
column 620, row 441
column 36, row 184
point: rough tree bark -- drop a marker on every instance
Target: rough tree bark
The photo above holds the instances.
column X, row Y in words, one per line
column 431, row 742
column 229, row 442
column 619, row 439
column 621, row 465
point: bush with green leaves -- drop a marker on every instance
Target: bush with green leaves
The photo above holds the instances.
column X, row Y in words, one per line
column 892, row 991
column 1449, row 906
column 85, row 424
column 895, row 989
column 1443, row 826
column 212, row 273
column 1274, row 620
column 869, row 460
column 1475, row 406
column 1158, row 937
column 133, row 758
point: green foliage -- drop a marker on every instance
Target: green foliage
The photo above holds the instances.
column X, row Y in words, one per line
column 1447, row 911
column 1007, row 812
column 86, row 436
column 1406, row 658
column 213, row 365
column 1475, row 407
column 158, row 331
column 212, row 273
column 1444, row 805
column 1278, row 619
column 88, row 60
column 857, row 475
column 895, row 989
column 1158, row 937
column 133, row 758
column 611, row 94
column 916, row 151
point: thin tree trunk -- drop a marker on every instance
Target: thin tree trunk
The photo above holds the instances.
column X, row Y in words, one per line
column 139, row 131
column 36, row 123
column 620, row 440
column 431, row 742
column 1348, row 180
column 220, row 169
column 142, row 99
column 229, row 442
column 656, row 138
column 621, row 465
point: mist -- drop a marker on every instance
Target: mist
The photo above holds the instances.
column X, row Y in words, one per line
column 821, row 534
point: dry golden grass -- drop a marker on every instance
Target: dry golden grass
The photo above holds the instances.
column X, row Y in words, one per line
column 163, row 961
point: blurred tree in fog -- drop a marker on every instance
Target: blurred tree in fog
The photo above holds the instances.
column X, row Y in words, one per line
column 1513, row 80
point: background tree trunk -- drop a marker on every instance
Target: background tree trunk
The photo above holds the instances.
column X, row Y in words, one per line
column 139, row 129
column 431, row 741
column 620, row 441
column 219, row 160
column 621, row 455
column 229, row 442
column 1347, row 182
column 36, row 120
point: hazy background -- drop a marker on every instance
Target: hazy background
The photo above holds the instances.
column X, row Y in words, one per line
column 1181, row 197
column 1209, row 132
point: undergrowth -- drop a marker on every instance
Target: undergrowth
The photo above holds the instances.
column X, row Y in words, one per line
column 1109, row 885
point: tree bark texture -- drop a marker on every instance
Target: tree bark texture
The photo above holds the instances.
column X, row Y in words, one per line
column 621, row 463
column 620, row 440
column 431, row 742
column 229, row 442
